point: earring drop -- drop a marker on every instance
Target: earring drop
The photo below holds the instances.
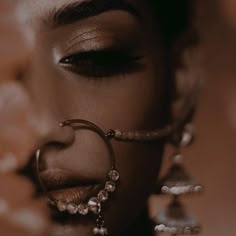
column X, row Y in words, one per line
column 177, row 182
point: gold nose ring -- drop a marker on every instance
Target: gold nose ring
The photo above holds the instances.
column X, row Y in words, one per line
column 95, row 203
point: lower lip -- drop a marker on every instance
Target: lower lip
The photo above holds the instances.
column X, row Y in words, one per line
column 75, row 195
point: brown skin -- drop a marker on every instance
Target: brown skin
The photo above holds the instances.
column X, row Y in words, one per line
column 129, row 100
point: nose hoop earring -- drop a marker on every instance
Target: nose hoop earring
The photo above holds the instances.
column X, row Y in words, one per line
column 95, row 203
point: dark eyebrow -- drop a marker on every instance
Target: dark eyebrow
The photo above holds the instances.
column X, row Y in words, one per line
column 76, row 11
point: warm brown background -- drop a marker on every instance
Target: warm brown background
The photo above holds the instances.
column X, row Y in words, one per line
column 212, row 159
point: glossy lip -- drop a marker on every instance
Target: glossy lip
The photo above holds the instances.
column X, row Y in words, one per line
column 68, row 187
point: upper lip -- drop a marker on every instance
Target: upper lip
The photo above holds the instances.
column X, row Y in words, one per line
column 55, row 179
column 66, row 185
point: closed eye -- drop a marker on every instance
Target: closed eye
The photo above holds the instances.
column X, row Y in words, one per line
column 102, row 63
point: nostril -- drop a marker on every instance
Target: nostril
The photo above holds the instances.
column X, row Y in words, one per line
column 52, row 134
column 56, row 144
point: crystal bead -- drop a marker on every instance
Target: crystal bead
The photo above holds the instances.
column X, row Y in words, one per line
column 130, row 135
column 110, row 186
column 94, row 205
column 165, row 189
column 118, row 133
column 51, row 202
column 102, row 195
column 111, row 133
column 61, row 206
column 177, row 181
column 178, row 159
column 72, row 208
column 100, row 231
column 196, row 230
column 103, row 231
column 83, row 209
column 187, row 135
column 160, row 228
column 175, row 220
column 198, row 189
column 187, row 230
column 96, row 231
column 114, row 175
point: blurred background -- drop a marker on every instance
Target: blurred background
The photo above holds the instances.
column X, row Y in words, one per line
column 212, row 158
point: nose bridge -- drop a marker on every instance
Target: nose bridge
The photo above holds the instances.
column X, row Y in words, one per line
column 49, row 115
column 44, row 94
column 49, row 119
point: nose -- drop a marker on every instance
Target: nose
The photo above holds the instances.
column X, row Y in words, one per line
column 53, row 133
column 53, row 137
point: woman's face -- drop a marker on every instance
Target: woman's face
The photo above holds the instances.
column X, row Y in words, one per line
column 102, row 63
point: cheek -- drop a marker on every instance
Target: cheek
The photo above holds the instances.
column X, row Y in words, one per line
column 126, row 102
column 139, row 167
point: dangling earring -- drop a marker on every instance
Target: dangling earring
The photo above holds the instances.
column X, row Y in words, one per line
column 177, row 182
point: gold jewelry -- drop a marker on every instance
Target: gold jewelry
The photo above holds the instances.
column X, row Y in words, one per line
column 95, row 203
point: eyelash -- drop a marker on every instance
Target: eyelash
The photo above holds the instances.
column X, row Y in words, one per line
column 100, row 64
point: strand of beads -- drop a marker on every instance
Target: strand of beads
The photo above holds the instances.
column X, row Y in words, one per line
column 140, row 136
column 94, row 204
